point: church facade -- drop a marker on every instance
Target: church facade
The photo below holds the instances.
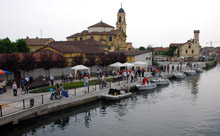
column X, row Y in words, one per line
column 114, row 38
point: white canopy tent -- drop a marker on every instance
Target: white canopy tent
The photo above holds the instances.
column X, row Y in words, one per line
column 117, row 65
column 140, row 64
column 79, row 67
column 128, row 65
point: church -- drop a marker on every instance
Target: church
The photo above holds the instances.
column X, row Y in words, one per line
column 115, row 39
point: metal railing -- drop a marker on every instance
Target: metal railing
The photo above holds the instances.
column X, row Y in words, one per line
column 27, row 103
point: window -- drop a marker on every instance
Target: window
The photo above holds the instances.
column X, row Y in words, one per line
column 192, row 51
column 120, row 42
column 186, row 51
column 110, row 38
column 147, row 58
column 81, row 38
column 119, row 28
column 75, row 39
column 189, row 45
column 91, row 37
column 119, row 19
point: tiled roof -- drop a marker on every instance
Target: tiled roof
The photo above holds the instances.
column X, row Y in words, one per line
column 133, row 53
column 38, row 41
column 101, row 24
column 85, row 32
column 176, row 44
column 160, row 49
column 86, row 46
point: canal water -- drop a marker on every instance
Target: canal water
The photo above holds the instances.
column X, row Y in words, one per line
column 188, row 107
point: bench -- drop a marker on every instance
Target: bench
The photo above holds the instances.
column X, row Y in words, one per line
column 37, row 84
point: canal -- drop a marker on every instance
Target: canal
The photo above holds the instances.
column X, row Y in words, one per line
column 189, row 107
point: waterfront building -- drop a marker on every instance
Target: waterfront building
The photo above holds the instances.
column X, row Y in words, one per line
column 70, row 49
column 189, row 50
column 37, row 43
column 141, row 55
column 107, row 34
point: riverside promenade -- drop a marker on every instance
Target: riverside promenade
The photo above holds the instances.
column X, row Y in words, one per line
column 21, row 107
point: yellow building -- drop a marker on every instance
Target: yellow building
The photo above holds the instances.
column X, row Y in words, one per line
column 189, row 50
column 37, row 43
column 106, row 34
column 70, row 49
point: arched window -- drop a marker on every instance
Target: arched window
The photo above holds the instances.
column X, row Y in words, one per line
column 119, row 19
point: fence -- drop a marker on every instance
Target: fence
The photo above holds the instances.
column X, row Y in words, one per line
column 16, row 106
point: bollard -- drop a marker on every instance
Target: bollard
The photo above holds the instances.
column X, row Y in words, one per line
column 110, row 84
column 23, row 104
column 95, row 87
column 0, row 110
column 75, row 91
column 88, row 88
column 31, row 102
column 42, row 99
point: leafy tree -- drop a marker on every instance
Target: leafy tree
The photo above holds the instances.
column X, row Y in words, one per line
column 22, row 46
column 6, row 46
column 171, row 51
column 77, row 60
column 46, row 61
column 28, row 62
column 104, row 60
column 9, row 61
column 122, row 57
column 60, row 62
column 141, row 48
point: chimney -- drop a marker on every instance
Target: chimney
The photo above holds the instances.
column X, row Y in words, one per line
column 196, row 36
column 27, row 37
column 36, row 37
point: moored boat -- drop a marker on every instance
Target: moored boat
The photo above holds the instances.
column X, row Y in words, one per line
column 198, row 70
column 179, row 75
column 190, row 72
column 146, row 86
column 161, row 81
column 115, row 94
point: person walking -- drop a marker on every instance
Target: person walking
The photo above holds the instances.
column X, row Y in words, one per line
column 51, row 80
column 4, row 85
column 86, row 81
column 1, row 87
column 14, row 87
column 168, row 68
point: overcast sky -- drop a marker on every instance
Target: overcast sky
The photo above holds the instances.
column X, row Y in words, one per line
column 149, row 22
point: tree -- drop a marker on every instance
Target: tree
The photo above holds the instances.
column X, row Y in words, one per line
column 122, row 57
column 6, row 46
column 104, row 60
column 60, row 62
column 141, row 48
column 46, row 61
column 91, row 60
column 171, row 51
column 28, row 62
column 22, row 46
column 77, row 60
column 9, row 61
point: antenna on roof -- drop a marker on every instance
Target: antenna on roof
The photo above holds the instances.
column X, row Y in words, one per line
column 41, row 33
column 121, row 4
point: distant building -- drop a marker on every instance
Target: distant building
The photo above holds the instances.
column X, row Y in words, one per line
column 160, row 50
column 141, row 55
column 106, row 34
column 37, row 43
column 190, row 50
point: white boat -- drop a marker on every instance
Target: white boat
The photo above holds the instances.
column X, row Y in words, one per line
column 161, row 81
column 115, row 94
column 198, row 70
column 146, row 86
column 190, row 72
column 179, row 75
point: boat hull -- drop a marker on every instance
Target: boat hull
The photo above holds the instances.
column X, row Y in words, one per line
column 162, row 81
column 190, row 72
column 146, row 87
column 179, row 76
column 116, row 97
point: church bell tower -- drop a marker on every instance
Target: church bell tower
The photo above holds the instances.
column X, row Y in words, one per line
column 121, row 21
